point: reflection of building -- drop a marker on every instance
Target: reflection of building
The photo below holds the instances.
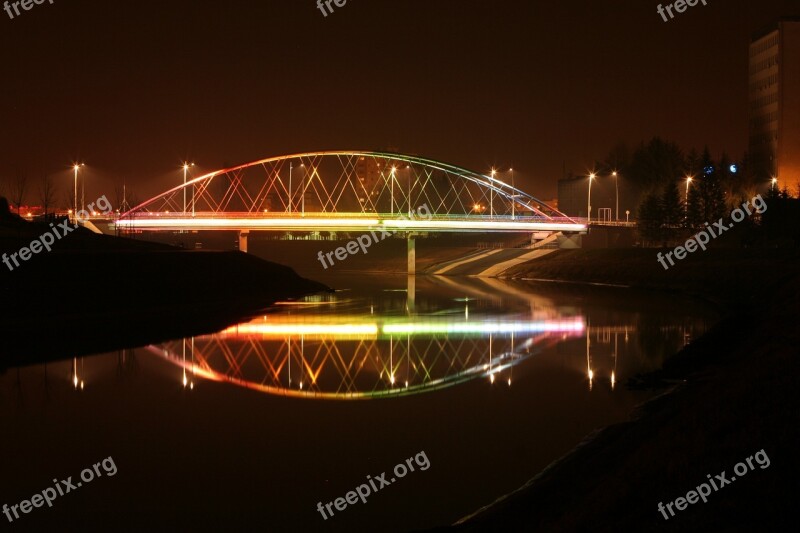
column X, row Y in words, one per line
column 774, row 94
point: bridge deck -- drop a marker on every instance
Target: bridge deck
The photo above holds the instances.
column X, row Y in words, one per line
column 343, row 222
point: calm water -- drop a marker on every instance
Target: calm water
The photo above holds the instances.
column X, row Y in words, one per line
column 250, row 427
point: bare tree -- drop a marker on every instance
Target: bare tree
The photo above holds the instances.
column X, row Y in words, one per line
column 47, row 193
column 18, row 189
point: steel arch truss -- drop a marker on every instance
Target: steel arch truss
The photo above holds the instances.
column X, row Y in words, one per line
column 348, row 182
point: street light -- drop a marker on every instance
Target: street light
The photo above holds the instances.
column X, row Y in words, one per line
column 589, row 199
column 491, row 194
column 391, row 199
column 186, row 166
column 774, row 182
column 513, row 195
column 75, row 192
column 289, row 207
column 616, row 186
column 303, row 188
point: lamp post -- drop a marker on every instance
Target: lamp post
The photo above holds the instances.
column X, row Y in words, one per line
column 589, row 199
column 303, row 188
column 491, row 195
column 76, row 167
column 289, row 206
column 627, row 214
column 408, row 169
column 774, row 182
column 616, row 187
column 75, row 193
column 186, row 166
column 513, row 195
column 391, row 197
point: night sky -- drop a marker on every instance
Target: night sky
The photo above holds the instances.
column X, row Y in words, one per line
column 134, row 88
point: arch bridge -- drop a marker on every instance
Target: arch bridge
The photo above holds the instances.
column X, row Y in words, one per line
column 346, row 191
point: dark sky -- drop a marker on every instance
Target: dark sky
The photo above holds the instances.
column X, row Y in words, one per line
column 133, row 88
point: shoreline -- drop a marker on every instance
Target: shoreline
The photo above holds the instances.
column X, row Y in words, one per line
column 107, row 293
column 705, row 380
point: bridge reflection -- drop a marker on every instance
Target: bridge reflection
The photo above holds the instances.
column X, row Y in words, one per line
column 350, row 357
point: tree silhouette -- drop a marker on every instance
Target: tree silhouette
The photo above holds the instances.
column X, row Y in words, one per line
column 47, row 193
column 650, row 218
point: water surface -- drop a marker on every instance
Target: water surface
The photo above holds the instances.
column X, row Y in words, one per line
column 252, row 426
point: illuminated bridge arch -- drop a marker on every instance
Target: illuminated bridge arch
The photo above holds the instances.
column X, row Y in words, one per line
column 347, row 190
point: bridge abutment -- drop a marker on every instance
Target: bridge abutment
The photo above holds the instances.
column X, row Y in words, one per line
column 243, row 241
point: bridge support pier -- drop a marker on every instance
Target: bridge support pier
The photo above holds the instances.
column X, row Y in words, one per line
column 243, row 241
column 412, row 256
column 411, row 293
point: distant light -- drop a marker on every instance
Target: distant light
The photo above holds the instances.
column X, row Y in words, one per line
column 734, row 169
column 592, row 176
column 708, row 170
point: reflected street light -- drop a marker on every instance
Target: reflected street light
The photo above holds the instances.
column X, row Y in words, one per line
column 688, row 182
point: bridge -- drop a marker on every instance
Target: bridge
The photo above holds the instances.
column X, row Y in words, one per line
column 346, row 191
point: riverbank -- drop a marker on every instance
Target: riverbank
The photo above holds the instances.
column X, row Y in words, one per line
column 95, row 293
column 726, row 276
column 737, row 395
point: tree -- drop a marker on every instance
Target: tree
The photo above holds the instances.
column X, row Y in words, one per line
column 650, row 218
column 18, row 189
column 694, row 209
column 672, row 210
column 692, row 163
column 47, row 193
column 712, row 195
column 656, row 164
